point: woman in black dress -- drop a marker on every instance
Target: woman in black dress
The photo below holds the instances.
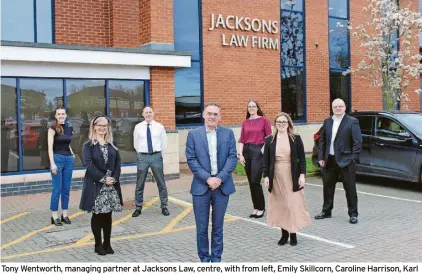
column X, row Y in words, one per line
column 101, row 193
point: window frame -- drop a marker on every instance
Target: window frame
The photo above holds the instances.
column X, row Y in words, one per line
column 19, row 121
column 305, row 110
column 35, row 28
column 201, row 73
column 341, row 70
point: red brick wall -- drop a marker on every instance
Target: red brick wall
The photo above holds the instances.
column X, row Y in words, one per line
column 317, row 61
column 125, row 23
column 81, row 22
column 364, row 96
column 145, row 21
column 162, row 96
column 234, row 75
column 156, row 21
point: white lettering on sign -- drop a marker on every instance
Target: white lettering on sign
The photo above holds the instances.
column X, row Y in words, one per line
column 256, row 25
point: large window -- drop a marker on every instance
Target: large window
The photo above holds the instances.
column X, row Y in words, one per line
column 9, row 126
column 20, row 21
column 85, row 100
column 127, row 100
column 122, row 100
column 39, row 98
column 186, row 16
column 339, row 47
column 292, row 36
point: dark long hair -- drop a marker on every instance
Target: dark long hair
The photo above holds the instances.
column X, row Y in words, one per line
column 260, row 112
column 58, row 127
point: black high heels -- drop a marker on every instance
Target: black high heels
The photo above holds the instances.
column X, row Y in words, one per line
column 66, row 220
column 56, row 221
column 260, row 216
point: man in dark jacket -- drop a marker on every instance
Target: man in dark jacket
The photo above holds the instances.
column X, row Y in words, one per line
column 339, row 148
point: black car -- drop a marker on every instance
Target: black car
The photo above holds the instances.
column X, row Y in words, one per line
column 391, row 145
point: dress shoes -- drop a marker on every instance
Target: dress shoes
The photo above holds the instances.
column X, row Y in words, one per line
column 108, row 250
column 260, row 216
column 293, row 239
column 99, row 249
column 353, row 220
column 323, row 215
column 284, row 237
column 56, row 221
column 66, row 220
column 137, row 212
column 252, row 216
column 165, row 211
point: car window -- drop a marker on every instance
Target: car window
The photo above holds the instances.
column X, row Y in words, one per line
column 365, row 124
column 388, row 128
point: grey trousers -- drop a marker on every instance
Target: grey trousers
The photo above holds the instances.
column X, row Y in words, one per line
column 155, row 162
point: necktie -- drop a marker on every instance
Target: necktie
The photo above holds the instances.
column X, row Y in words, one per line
column 149, row 139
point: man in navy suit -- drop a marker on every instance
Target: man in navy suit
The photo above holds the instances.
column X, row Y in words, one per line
column 211, row 156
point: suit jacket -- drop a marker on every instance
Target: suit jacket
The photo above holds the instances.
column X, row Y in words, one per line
column 347, row 142
column 96, row 169
column 297, row 160
column 198, row 159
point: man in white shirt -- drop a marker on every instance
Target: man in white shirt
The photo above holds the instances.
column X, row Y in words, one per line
column 339, row 148
column 149, row 140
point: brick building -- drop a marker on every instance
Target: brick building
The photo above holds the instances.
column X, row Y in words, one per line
column 115, row 56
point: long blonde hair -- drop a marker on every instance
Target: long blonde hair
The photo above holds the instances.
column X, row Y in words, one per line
column 109, row 134
column 290, row 128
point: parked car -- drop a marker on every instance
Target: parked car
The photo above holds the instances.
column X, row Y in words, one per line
column 391, row 145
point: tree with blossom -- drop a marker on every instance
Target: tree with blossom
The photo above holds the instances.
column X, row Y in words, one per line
column 389, row 40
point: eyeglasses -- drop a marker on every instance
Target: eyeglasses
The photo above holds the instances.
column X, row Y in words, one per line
column 281, row 123
column 102, row 126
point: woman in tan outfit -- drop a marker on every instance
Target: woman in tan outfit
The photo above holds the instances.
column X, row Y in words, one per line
column 284, row 175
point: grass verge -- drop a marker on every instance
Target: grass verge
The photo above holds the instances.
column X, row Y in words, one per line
column 310, row 168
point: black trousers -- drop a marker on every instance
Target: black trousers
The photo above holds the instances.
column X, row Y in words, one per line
column 101, row 221
column 330, row 175
column 253, row 167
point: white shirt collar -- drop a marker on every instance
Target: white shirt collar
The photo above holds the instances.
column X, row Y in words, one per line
column 338, row 119
column 208, row 130
column 146, row 123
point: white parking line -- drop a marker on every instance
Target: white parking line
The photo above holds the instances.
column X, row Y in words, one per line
column 377, row 195
column 264, row 224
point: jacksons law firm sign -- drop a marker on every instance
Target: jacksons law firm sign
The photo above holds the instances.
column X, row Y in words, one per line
column 256, row 25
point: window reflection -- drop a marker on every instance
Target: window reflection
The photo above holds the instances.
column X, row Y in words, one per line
column 337, row 8
column 296, row 5
column 44, row 21
column 39, row 98
column 9, row 130
column 292, row 38
column 339, row 44
column 186, row 26
column 85, row 100
column 188, row 95
column 127, row 100
column 293, row 92
column 339, row 88
column 17, row 20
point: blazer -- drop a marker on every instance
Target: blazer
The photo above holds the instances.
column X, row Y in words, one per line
column 198, row 159
column 347, row 142
column 96, row 169
column 297, row 160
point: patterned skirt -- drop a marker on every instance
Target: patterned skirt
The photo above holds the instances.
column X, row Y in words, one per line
column 107, row 201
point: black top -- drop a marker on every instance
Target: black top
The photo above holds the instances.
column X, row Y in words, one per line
column 62, row 142
column 347, row 142
column 96, row 169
